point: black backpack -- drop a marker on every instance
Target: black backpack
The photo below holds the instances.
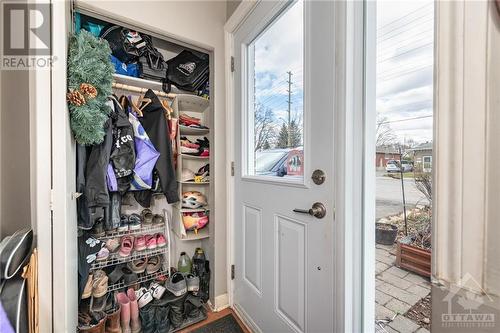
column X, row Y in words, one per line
column 188, row 71
column 125, row 49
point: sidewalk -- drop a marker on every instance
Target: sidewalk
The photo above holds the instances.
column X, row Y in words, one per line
column 396, row 292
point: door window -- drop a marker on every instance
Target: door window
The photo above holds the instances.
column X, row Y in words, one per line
column 275, row 99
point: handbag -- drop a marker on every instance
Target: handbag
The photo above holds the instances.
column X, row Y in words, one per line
column 15, row 251
column 14, row 301
column 188, row 71
column 153, row 64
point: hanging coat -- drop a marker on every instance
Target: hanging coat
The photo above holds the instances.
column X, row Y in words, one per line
column 153, row 121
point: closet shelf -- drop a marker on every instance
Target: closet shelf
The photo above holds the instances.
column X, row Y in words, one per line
column 144, row 83
column 186, row 130
column 143, row 230
column 144, row 277
column 202, row 234
column 115, row 258
column 194, row 157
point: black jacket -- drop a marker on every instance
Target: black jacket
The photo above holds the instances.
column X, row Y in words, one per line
column 155, row 124
column 123, row 150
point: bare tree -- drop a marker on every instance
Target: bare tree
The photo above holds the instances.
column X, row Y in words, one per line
column 424, row 184
column 385, row 134
column 264, row 130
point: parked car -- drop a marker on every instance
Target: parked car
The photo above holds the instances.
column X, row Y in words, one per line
column 407, row 166
column 280, row 162
column 392, row 166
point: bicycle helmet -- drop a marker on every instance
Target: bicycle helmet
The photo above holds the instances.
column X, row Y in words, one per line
column 193, row 199
column 187, row 175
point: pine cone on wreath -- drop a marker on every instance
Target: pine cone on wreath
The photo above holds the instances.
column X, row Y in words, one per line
column 76, row 98
column 88, row 90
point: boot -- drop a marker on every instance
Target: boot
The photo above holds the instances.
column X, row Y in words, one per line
column 98, row 328
column 135, row 322
column 124, row 312
column 113, row 322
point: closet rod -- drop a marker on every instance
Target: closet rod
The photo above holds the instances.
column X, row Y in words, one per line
column 142, row 90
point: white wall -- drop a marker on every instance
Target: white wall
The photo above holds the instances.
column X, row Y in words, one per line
column 467, row 145
column 201, row 23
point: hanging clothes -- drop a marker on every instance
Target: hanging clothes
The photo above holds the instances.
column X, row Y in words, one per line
column 154, row 123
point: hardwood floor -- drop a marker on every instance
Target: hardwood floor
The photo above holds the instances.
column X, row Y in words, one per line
column 213, row 316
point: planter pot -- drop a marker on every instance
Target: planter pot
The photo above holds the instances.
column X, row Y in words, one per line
column 413, row 259
column 385, row 233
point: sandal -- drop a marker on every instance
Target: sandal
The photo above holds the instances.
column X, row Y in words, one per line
column 154, row 265
column 158, row 220
column 87, row 291
column 147, row 217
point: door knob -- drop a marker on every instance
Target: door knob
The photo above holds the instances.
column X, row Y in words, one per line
column 317, row 210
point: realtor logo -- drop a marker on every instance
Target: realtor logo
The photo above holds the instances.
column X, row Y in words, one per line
column 465, row 308
column 26, row 29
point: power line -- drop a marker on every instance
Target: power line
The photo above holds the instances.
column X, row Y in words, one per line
column 408, row 27
column 406, row 52
column 393, row 76
column 406, row 119
column 405, row 16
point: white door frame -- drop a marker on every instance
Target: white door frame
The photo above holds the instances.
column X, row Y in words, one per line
column 355, row 182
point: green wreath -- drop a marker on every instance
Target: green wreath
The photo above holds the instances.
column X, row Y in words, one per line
column 90, row 77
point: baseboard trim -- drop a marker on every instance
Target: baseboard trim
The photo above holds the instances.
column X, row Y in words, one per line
column 221, row 303
column 245, row 319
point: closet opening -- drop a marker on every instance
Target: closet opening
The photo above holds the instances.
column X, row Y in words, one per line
column 146, row 198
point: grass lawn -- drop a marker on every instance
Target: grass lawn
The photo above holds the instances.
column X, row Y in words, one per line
column 397, row 175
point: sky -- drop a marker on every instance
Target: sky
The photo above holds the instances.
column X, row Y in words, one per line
column 404, row 66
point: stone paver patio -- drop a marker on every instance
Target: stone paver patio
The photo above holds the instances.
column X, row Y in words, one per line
column 396, row 291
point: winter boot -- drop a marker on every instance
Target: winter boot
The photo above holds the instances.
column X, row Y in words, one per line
column 113, row 322
column 124, row 302
column 135, row 322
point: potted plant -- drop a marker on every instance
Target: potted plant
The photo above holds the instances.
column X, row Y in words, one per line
column 414, row 249
column 385, row 233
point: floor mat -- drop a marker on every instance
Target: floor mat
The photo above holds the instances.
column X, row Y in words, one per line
column 227, row 324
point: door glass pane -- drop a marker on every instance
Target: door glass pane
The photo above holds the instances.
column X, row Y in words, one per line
column 276, row 98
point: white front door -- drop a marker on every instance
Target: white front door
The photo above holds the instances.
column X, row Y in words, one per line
column 284, row 120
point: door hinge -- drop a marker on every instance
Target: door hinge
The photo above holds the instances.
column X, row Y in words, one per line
column 232, row 168
column 232, row 272
column 232, row 64
column 51, row 203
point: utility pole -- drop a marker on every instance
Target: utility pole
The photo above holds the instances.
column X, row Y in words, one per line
column 289, row 141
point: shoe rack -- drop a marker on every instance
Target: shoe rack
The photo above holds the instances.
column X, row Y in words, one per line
column 115, row 258
column 199, row 107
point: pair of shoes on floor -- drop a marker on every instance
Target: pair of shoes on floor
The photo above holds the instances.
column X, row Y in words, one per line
column 180, row 283
column 146, row 295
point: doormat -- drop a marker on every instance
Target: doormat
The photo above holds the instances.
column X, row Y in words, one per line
column 226, row 324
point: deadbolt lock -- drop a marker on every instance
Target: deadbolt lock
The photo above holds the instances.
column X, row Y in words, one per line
column 318, row 177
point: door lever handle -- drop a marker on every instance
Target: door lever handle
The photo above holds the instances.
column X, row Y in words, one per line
column 317, row 210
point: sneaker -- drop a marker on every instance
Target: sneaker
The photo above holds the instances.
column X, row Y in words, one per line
column 177, row 284
column 134, row 222
column 157, row 290
column 192, row 282
column 140, row 243
column 143, row 296
column 158, row 220
column 161, row 241
column 126, row 246
column 123, row 224
column 103, row 254
column 151, row 242
column 112, row 245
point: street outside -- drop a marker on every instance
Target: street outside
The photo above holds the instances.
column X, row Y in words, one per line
column 389, row 196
